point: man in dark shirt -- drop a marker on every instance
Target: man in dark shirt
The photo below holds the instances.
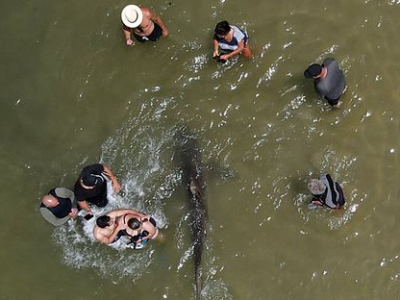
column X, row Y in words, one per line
column 91, row 187
column 58, row 206
column 329, row 80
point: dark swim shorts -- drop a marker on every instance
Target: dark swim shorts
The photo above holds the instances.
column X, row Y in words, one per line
column 154, row 36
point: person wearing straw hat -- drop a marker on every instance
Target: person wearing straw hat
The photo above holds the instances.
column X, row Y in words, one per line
column 58, row 206
column 142, row 23
column 326, row 192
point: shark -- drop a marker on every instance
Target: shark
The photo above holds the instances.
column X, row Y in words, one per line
column 188, row 158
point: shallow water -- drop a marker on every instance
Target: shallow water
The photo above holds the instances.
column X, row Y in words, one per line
column 73, row 94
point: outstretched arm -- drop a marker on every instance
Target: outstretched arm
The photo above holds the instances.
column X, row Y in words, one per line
column 107, row 171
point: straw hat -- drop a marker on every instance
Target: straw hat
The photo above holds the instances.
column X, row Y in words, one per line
column 131, row 16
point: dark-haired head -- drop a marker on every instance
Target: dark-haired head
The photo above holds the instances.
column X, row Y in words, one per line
column 134, row 223
column 313, row 71
column 103, row 221
column 222, row 28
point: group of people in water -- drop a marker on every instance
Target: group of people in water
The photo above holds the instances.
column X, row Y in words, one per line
column 91, row 189
column 143, row 24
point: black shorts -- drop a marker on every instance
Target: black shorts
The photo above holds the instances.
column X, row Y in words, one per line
column 154, row 36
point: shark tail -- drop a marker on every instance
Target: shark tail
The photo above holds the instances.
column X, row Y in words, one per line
column 198, row 283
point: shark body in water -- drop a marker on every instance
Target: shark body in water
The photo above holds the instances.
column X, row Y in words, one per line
column 188, row 158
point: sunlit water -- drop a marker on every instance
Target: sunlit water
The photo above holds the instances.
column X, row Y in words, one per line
column 73, row 94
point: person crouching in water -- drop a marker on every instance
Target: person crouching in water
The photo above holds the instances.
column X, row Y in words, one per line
column 141, row 231
column 326, row 192
column 143, row 23
column 231, row 40
column 111, row 227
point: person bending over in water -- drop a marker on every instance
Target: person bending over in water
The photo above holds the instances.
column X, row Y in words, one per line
column 232, row 41
column 91, row 187
column 108, row 227
column 143, row 23
column 140, row 230
column 58, row 206
column 326, row 192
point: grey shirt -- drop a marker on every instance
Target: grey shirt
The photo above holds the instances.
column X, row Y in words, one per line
column 60, row 193
column 332, row 86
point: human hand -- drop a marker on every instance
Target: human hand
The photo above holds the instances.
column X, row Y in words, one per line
column 165, row 33
column 316, row 202
column 129, row 42
column 215, row 53
column 224, row 57
column 73, row 212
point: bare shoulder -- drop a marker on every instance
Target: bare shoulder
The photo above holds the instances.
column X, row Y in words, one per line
column 96, row 232
column 147, row 12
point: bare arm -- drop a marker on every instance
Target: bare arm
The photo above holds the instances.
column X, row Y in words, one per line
column 157, row 19
column 234, row 52
column 113, row 178
column 150, row 229
column 127, row 34
column 132, row 212
column 85, row 206
column 216, row 46
column 107, row 239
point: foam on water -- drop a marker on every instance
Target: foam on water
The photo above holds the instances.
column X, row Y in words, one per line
column 80, row 250
column 147, row 180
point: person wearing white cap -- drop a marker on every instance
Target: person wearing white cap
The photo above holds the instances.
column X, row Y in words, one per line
column 143, row 23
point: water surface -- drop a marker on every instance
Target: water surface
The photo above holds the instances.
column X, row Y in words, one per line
column 74, row 94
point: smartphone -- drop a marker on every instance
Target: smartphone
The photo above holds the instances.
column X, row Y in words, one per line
column 88, row 217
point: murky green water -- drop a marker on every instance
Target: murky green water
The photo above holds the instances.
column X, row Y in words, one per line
column 74, row 94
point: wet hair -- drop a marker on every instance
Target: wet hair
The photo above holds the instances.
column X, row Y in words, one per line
column 102, row 221
column 134, row 223
column 222, row 28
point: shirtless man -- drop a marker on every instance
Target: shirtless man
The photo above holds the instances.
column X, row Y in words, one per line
column 143, row 23
column 140, row 229
column 109, row 228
